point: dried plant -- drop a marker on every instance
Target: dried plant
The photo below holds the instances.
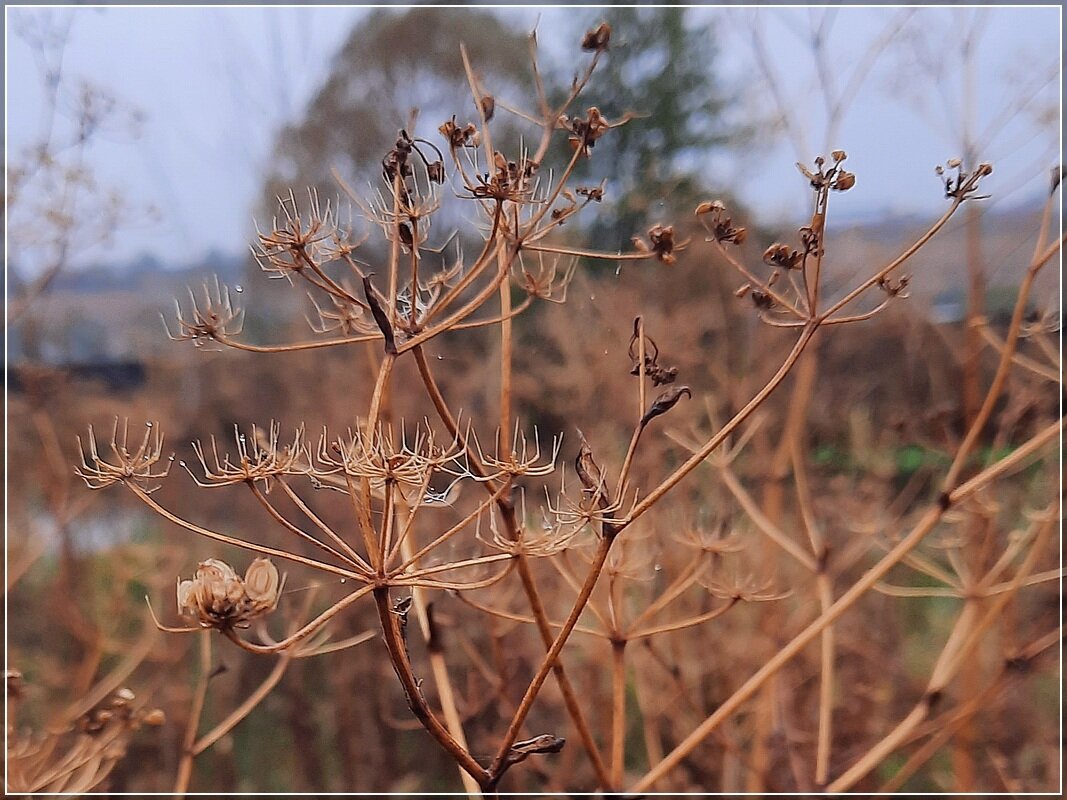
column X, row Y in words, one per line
column 413, row 534
column 75, row 756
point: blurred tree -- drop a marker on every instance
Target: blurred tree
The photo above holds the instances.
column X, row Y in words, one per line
column 391, row 65
column 661, row 65
column 57, row 208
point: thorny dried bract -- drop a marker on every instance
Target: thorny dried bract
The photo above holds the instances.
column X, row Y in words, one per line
column 259, row 458
column 302, row 239
column 207, row 321
column 409, row 528
column 138, row 467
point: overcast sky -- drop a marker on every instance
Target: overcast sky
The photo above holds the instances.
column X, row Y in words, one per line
column 213, row 86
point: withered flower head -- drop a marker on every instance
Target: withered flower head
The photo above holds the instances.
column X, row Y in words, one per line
column 126, row 463
column 762, row 300
column 207, row 321
column 720, row 226
column 301, row 238
column 218, row 598
column 597, row 40
column 435, row 171
column 467, row 136
column 663, row 244
column 894, row 289
column 708, row 206
column 118, row 714
column 782, row 255
column 586, row 132
column 661, row 376
column 963, row 184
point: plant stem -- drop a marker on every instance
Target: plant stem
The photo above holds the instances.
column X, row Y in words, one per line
column 438, row 667
column 499, row 764
column 964, row 639
column 533, row 596
column 246, row 707
column 715, row 441
column 618, row 710
column 843, row 603
column 185, row 766
column 394, row 642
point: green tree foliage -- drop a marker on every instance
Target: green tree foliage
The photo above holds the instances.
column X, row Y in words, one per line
column 660, row 65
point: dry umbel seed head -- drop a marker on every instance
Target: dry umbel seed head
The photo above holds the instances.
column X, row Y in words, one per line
column 963, row 184
column 218, row 598
column 126, row 463
column 300, row 238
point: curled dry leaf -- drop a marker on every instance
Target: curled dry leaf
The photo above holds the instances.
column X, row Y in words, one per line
column 664, row 403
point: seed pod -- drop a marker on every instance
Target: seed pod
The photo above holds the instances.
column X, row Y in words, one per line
column 545, row 743
column 597, row 39
column 435, row 171
column 664, row 403
column 844, row 181
column 588, row 472
column 262, row 583
column 488, row 106
column 379, row 316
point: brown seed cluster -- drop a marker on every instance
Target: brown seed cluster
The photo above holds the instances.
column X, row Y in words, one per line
column 661, row 243
column 119, row 709
column 465, row 136
column 959, row 183
column 713, row 217
column 835, row 176
column 218, row 598
column 660, row 375
column 597, row 39
column 783, row 256
column 585, row 133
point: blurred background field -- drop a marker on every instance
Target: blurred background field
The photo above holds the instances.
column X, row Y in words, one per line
column 142, row 143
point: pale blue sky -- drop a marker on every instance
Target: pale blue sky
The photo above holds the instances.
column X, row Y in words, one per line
column 215, row 84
